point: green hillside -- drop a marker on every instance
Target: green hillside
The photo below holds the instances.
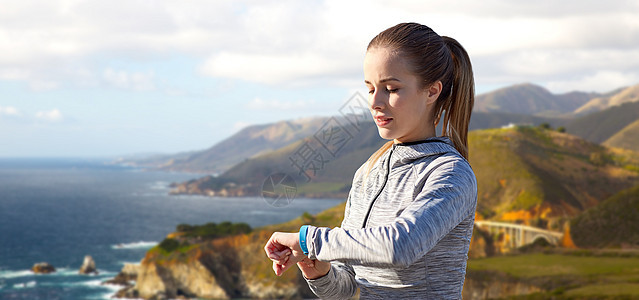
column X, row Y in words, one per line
column 600, row 126
column 613, row 223
column 328, row 174
column 627, row 138
column 525, row 174
column 322, row 173
column 540, row 177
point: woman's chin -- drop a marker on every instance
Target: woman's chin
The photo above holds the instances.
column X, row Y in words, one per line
column 385, row 133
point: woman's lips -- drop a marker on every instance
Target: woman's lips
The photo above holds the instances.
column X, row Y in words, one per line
column 382, row 121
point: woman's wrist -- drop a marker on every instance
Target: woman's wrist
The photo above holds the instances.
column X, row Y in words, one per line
column 314, row 269
column 302, row 239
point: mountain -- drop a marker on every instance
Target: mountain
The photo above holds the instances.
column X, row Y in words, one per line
column 247, row 143
column 355, row 152
column 600, row 126
column 615, row 98
column 331, row 175
column 525, row 174
column 613, row 223
column 530, row 99
column 254, row 140
column 519, row 104
column 485, row 120
column 541, row 177
column 319, row 163
column 627, row 138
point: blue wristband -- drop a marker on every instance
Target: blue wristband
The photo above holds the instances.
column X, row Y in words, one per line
column 303, row 231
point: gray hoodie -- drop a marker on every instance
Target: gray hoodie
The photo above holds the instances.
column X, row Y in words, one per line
column 406, row 228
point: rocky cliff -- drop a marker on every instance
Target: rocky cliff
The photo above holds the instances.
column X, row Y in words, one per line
column 236, row 267
column 222, row 268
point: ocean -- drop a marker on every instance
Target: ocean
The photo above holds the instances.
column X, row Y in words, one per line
column 59, row 210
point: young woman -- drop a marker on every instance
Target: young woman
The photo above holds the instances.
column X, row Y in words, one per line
column 410, row 212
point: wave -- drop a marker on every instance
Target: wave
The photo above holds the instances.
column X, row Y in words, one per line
column 23, row 285
column 92, row 283
column 111, row 289
column 24, row 273
column 66, row 272
column 9, row 274
column 134, row 245
column 160, row 185
column 107, row 295
column 15, row 274
column 264, row 212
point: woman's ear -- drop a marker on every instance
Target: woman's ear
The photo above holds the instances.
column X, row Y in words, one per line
column 433, row 91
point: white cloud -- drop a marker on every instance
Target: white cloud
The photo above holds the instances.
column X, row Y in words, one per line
column 305, row 43
column 600, row 81
column 53, row 115
column 276, row 105
column 10, row 111
column 275, row 69
column 137, row 81
column 567, row 61
column 43, row 85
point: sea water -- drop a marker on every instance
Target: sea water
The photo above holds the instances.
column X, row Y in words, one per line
column 59, row 210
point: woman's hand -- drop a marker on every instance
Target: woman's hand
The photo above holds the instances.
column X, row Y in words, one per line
column 313, row 269
column 284, row 250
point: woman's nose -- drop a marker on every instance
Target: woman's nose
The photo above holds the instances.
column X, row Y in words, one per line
column 376, row 101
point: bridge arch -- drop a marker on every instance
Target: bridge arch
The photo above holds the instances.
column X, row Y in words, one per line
column 543, row 238
column 520, row 235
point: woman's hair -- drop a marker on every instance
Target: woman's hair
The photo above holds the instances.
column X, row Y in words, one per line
column 435, row 58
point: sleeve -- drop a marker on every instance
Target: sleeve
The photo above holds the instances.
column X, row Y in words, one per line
column 448, row 197
column 338, row 283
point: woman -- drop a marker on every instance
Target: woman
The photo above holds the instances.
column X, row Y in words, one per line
column 410, row 212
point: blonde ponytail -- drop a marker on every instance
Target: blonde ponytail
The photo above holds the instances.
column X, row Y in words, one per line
column 458, row 106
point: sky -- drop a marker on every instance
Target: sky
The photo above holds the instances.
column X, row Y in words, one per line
column 113, row 78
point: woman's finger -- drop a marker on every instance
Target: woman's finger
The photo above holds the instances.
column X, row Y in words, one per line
column 276, row 255
column 281, row 261
column 273, row 245
column 281, row 268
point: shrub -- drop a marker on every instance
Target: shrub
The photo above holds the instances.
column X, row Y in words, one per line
column 184, row 228
column 169, row 245
column 307, row 217
column 545, row 126
column 213, row 230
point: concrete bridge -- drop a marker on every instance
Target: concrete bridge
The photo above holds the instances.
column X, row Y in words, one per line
column 521, row 235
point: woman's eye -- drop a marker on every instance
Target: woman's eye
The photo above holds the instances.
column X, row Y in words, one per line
column 371, row 91
column 392, row 90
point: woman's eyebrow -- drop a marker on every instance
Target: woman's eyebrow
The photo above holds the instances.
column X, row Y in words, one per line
column 384, row 80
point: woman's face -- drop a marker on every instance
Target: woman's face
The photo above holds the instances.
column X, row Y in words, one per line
column 401, row 108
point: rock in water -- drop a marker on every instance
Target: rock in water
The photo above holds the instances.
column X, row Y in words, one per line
column 129, row 273
column 43, row 268
column 88, row 266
